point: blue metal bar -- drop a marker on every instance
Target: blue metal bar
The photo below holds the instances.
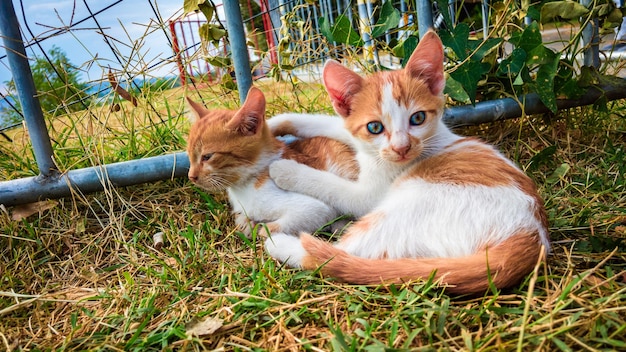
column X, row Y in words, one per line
column 424, row 16
column 485, row 11
column 366, row 29
column 508, row 108
column 25, row 86
column 94, row 179
column 238, row 46
column 591, row 40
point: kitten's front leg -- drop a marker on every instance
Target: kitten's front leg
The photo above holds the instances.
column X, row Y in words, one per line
column 310, row 125
column 342, row 194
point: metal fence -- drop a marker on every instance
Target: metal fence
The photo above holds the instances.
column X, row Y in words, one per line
column 183, row 57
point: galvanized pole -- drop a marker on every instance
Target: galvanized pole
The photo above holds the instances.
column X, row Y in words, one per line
column 530, row 104
column 591, row 40
column 25, row 86
column 485, row 11
column 424, row 16
column 238, row 47
column 366, row 29
column 94, row 179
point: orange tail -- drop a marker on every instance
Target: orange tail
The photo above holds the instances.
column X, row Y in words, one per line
column 509, row 262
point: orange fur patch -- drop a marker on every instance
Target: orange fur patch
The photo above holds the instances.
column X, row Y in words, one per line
column 323, row 153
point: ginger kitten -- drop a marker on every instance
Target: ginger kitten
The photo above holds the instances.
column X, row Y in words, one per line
column 232, row 150
column 428, row 199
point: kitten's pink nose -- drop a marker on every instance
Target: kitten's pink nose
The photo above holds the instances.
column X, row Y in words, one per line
column 192, row 176
column 402, row 150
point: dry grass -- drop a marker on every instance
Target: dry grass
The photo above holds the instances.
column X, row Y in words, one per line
column 85, row 274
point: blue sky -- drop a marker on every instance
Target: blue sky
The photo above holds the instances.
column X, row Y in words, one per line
column 131, row 25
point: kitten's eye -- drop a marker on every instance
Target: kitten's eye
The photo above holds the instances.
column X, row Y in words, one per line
column 417, row 118
column 206, row 157
column 375, row 127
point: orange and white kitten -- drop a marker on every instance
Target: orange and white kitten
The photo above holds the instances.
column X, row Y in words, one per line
column 232, row 150
column 428, row 200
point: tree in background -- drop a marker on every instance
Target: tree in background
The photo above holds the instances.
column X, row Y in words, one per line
column 58, row 86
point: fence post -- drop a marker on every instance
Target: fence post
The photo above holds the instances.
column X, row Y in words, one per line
column 239, row 48
column 424, row 16
column 591, row 40
column 25, row 86
column 365, row 24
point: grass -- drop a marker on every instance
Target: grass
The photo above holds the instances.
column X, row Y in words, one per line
column 86, row 274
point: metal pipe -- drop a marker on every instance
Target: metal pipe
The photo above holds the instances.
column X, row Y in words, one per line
column 25, row 86
column 485, row 12
column 424, row 16
column 591, row 40
column 238, row 46
column 508, row 108
column 94, row 179
column 366, row 29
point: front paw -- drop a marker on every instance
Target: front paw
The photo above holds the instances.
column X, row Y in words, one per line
column 286, row 249
column 243, row 224
column 285, row 173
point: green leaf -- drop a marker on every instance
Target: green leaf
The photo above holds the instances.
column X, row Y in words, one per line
column 219, row 61
column 529, row 39
column 616, row 16
column 544, row 83
column 540, row 55
column 342, row 32
column 211, row 32
column 405, row 49
column 457, row 40
column 513, row 64
column 389, row 18
column 567, row 10
column 469, row 74
column 325, row 29
column 207, row 9
column 481, row 48
column 190, row 6
column 227, row 82
column 455, row 91
column 558, row 174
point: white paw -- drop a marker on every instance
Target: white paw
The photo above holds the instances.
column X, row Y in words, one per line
column 285, row 173
column 286, row 249
column 243, row 224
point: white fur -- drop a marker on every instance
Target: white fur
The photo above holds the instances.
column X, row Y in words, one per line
column 292, row 212
column 286, row 249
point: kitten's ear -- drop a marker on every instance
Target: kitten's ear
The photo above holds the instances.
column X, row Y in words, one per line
column 341, row 84
column 251, row 116
column 197, row 111
column 426, row 62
